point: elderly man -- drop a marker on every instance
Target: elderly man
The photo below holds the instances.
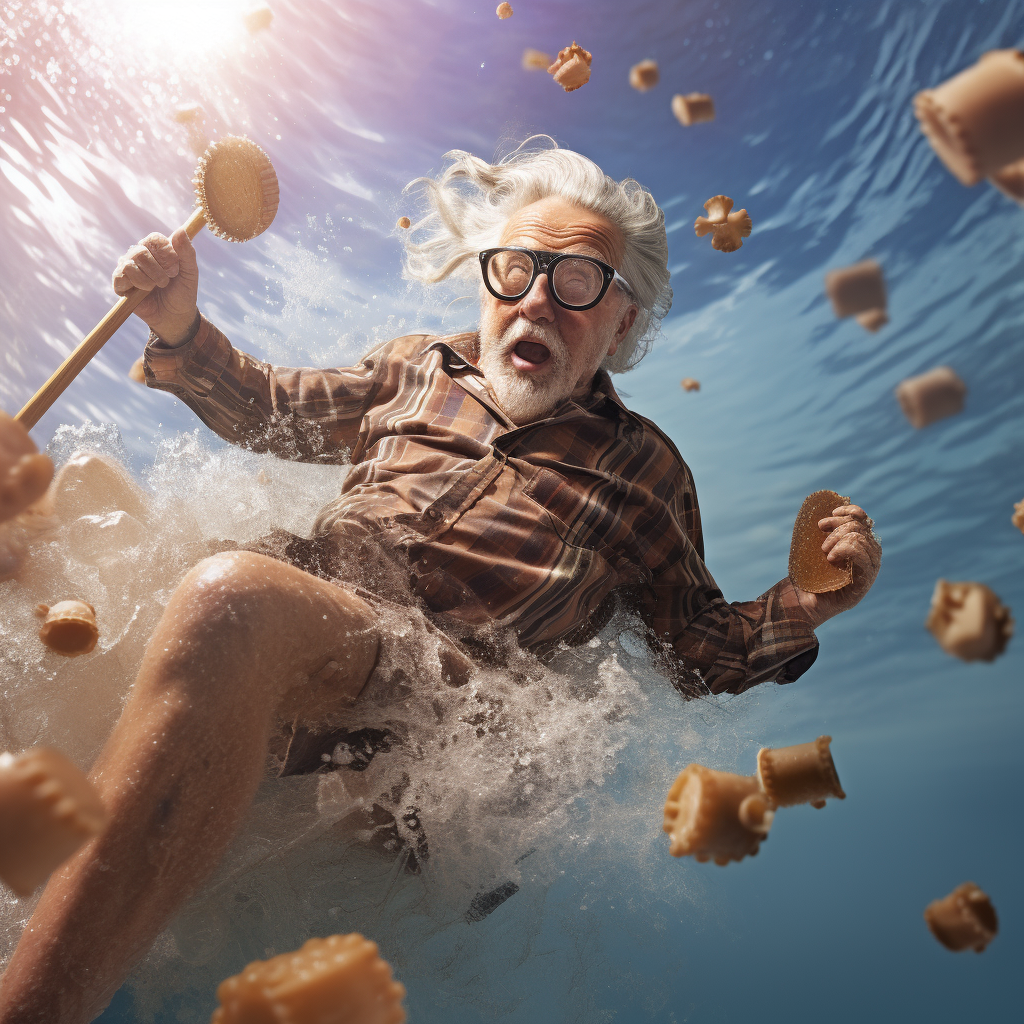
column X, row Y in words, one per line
column 497, row 482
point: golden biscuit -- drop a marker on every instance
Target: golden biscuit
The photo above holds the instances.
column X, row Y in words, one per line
column 693, row 108
column 337, row 980
column 403, row 223
column 258, row 18
column 536, row 60
column 188, row 113
column 859, row 291
column 803, row 774
column 237, row 188
column 969, row 621
column 728, row 229
column 571, row 67
column 48, row 809
column 689, row 384
column 716, row 815
column 504, row 11
column 137, row 371
column 69, row 627
column 931, row 396
column 809, row 567
column 644, row 76
column 975, row 120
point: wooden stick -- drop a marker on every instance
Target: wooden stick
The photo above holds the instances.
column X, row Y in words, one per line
column 37, row 405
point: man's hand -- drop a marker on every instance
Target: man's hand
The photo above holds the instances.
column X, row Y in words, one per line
column 24, row 473
column 167, row 268
column 849, row 536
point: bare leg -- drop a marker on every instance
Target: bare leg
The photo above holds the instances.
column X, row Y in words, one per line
column 180, row 769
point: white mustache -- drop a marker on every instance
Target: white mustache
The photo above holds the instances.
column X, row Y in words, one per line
column 544, row 334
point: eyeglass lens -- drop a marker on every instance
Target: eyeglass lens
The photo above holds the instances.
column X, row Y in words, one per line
column 576, row 282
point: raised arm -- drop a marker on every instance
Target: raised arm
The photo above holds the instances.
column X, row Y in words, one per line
column 308, row 415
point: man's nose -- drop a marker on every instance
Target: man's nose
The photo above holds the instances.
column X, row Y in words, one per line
column 538, row 305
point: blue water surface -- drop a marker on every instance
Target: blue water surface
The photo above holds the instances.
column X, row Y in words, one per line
column 816, row 137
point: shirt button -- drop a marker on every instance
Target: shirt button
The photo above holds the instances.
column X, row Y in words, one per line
column 433, row 513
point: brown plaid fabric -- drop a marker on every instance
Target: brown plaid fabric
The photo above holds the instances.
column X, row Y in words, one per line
column 532, row 527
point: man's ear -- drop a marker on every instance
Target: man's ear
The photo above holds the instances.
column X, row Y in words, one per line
column 623, row 329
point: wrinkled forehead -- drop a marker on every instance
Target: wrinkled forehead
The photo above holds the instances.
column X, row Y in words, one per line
column 557, row 225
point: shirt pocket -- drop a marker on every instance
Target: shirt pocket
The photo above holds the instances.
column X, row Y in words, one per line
column 573, row 516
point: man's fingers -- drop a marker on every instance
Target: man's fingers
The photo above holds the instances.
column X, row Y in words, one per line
column 149, row 264
column 185, row 254
column 843, row 530
column 144, row 259
column 865, row 552
column 161, row 249
column 130, row 275
column 843, row 514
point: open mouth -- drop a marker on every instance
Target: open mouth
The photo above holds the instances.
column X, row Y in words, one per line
column 530, row 355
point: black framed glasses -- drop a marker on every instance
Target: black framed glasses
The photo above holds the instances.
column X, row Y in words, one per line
column 577, row 282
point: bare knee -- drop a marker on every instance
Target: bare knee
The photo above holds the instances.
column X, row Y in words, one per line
column 238, row 612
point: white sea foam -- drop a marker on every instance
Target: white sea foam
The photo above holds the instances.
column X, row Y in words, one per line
column 524, row 773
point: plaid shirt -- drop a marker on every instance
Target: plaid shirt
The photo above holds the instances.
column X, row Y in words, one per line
column 532, row 526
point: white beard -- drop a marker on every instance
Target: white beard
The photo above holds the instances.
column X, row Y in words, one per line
column 527, row 397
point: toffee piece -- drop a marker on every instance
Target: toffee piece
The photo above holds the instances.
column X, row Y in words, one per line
column 48, row 809
column 337, row 980
column 137, row 371
column 859, row 291
column 188, row 113
column 258, row 18
column 571, row 67
column 803, row 774
column 536, row 60
column 728, row 229
column 975, row 120
column 644, row 76
column 931, row 396
column 712, row 815
column 969, row 621
column 693, row 108
column 69, row 627
column 809, row 567
column 1018, row 515
column 965, row 919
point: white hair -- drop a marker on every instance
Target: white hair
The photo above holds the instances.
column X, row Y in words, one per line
column 464, row 220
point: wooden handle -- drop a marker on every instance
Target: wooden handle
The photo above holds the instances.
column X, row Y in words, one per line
column 37, row 405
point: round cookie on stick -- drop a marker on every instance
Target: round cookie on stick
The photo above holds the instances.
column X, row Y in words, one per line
column 809, row 569
column 238, row 195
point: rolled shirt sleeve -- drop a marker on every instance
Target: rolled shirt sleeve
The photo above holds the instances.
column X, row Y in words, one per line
column 305, row 414
column 728, row 648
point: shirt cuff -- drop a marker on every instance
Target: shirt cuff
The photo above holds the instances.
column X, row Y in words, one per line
column 799, row 627
column 196, row 363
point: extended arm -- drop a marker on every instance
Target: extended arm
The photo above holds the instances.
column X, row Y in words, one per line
column 724, row 647
column 305, row 414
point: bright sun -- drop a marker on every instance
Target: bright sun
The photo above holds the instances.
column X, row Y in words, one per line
column 176, row 27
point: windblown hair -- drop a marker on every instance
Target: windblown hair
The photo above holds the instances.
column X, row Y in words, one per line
column 472, row 200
